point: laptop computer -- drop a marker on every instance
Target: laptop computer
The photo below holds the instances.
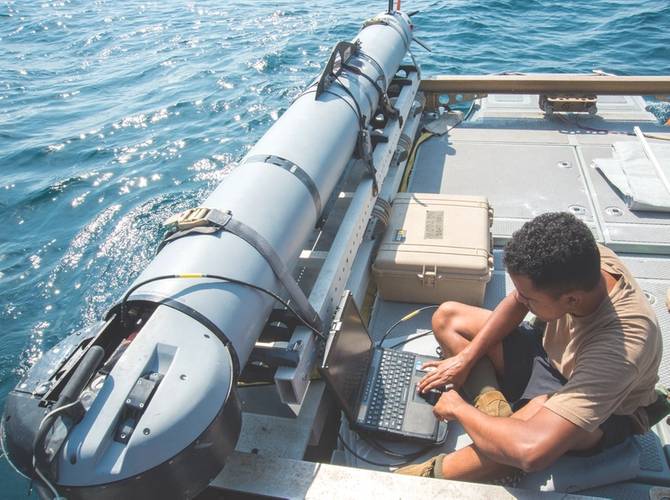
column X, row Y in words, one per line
column 376, row 387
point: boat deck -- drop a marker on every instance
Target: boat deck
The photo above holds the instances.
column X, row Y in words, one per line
column 527, row 164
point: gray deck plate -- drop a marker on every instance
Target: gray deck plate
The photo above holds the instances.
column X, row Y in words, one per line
column 625, row 491
column 509, row 152
column 521, row 180
column 629, row 230
column 656, row 290
column 279, row 432
column 385, row 313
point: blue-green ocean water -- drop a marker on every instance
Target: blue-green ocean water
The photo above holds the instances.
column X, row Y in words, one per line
column 114, row 115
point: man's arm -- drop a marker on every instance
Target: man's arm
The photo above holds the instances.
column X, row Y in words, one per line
column 531, row 444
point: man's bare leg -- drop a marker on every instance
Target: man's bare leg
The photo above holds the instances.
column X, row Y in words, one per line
column 455, row 325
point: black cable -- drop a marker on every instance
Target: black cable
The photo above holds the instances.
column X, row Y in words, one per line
column 469, row 113
column 386, row 451
column 599, row 130
column 592, row 129
column 417, row 143
column 381, row 448
column 379, row 464
column 124, row 300
column 465, row 118
column 412, row 150
column 404, row 318
column 606, row 131
column 38, row 445
column 407, row 340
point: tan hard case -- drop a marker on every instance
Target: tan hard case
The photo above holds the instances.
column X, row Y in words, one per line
column 436, row 248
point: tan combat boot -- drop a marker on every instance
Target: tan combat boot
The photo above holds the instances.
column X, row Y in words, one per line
column 429, row 468
column 493, row 403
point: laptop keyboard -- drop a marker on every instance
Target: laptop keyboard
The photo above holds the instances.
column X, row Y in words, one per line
column 386, row 407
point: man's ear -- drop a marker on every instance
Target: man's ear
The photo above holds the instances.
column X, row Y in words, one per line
column 571, row 299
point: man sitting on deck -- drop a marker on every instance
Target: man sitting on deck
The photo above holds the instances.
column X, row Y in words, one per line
column 579, row 385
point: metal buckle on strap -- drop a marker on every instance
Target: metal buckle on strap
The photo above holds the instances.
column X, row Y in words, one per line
column 197, row 217
column 203, row 220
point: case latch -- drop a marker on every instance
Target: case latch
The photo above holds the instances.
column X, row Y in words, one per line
column 428, row 278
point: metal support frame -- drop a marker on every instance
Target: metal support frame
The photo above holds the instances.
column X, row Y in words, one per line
column 360, row 273
column 469, row 86
column 549, row 84
column 281, row 436
column 292, row 382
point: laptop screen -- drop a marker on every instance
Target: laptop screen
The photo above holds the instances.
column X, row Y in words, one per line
column 347, row 357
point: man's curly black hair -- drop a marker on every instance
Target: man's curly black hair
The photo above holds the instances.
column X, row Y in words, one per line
column 557, row 252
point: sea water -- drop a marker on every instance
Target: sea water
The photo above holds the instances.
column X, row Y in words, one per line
column 115, row 115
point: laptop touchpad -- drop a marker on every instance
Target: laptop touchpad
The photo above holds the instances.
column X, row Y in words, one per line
column 419, row 419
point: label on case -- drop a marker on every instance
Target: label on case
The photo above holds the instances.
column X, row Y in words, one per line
column 434, row 229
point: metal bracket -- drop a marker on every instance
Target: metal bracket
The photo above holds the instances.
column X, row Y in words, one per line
column 342, row 52
column 401, row 82
column 378, row 137
column 428, row 278
column 364, row 148
column 433, row 98
column 274, row 354
column 568, row 104
column 408, row 68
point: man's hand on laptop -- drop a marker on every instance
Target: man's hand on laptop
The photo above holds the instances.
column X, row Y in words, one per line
column 445, row 408
column 453, row 370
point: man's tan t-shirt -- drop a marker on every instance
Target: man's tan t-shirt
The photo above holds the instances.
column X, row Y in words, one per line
column 610, row 357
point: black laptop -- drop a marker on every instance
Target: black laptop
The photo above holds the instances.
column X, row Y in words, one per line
column 375, row 387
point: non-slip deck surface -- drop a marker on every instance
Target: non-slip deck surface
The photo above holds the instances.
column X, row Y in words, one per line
column 527, row 165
